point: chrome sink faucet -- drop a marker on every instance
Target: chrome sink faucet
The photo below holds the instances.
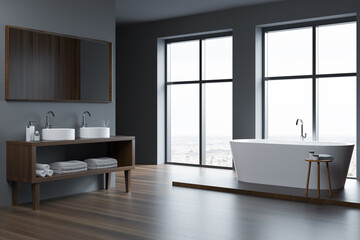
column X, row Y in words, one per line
column 47, row 123
column 302, row 136
column 83, row 118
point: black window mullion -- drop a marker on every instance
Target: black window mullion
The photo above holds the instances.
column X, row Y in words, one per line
column 167, row 139
column 315, row 90
column 217, row 80
column 206, row 36
column 313, row 23
column 288, row 77
column 182, row 82
column 331, row 75
column 264, row 91
column 201, row 109
column 197, row 81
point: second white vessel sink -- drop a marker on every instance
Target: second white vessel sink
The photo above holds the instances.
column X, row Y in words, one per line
column 58, row 134
column 94, row 132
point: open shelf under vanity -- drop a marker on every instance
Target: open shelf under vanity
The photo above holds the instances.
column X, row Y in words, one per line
column 21, row 158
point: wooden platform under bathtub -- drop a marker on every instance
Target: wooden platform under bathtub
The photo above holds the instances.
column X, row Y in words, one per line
column 222, row 180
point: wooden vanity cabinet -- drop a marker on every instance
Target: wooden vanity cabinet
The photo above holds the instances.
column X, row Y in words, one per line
column 21, row 163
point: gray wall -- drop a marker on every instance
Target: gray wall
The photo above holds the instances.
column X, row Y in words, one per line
column 137, row 64
column 85, row 18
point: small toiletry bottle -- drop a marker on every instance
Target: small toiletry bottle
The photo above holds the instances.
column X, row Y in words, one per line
column 37, row 136
column 311, row 154
column 30, row 130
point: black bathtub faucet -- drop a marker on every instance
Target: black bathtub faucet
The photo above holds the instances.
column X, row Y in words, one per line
column 302, row 135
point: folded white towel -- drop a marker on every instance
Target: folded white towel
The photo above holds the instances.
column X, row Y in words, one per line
column 325, row 157
column 68, row 165
column 49, row 173
column 40, row 166
column 109, row 159
column 57, row 171
column 102, row 161
column 102, row 167
column 68, row 168
column 40, row 173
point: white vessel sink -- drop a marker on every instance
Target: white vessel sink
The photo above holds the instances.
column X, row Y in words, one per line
column 94, row 132
column 58, row 134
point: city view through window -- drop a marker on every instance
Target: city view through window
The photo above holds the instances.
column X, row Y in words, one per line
column 289, row 83
column 199, row 101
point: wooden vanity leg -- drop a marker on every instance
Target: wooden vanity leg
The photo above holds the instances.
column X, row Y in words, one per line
column 108, row 180
column 35, row 195
column 128, row 180
column 15, row 193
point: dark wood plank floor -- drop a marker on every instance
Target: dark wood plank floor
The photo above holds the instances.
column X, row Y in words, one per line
column 156, row 210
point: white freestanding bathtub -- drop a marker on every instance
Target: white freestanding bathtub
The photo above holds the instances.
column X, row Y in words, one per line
column 282, row 163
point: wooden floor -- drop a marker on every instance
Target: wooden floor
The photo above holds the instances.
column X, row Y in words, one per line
column 157, row 210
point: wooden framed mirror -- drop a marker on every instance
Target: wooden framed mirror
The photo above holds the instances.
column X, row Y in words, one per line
column 44, row 66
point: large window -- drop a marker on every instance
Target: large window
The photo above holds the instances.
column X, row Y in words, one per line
column 199, row 100
column 310, row 73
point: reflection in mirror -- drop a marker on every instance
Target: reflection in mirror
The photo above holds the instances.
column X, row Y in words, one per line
column 94, row 68
column 43, row 66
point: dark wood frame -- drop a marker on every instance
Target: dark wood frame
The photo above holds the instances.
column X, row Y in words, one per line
column 21, row 163
column 7, row 28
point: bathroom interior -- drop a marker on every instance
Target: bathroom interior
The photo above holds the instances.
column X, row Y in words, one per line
column 130, row 119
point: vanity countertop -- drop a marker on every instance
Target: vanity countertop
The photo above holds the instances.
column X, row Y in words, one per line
column 70, row 142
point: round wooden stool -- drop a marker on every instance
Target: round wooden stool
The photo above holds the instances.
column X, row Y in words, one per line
column 318, row 175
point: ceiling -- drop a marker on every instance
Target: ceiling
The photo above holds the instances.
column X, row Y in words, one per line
column 135, row 11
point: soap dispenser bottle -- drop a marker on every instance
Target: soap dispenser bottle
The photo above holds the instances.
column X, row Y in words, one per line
column 36, row 136
column 30, row 130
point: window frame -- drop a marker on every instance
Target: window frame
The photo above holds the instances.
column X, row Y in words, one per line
column 314, row 75
column 200, row 82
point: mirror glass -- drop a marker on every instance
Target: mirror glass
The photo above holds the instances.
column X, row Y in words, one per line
column 42, row 66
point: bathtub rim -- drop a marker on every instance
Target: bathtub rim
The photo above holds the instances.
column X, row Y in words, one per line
column 291, row 142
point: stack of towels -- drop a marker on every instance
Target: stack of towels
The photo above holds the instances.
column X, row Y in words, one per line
column 68, row 166
column 43, row 170
column 100, row 163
